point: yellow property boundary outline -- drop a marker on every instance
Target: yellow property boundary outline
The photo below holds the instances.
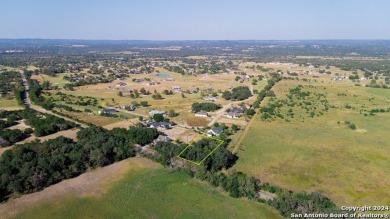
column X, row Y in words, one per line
column 190, row 144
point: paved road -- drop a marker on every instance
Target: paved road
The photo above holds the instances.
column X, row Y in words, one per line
column 27, row 102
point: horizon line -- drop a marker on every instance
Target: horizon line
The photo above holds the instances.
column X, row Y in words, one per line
column 170, row 40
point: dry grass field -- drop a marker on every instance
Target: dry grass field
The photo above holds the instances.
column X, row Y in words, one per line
column 93, row 118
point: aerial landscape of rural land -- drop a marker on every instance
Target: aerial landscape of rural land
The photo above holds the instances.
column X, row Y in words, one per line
column 194, row 109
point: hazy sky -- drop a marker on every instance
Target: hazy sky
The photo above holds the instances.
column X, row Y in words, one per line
column 195, row 19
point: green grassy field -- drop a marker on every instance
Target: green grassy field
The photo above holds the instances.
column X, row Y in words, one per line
column 322, row 153
column 57, row 80
column 9, row 104
column 150, row 193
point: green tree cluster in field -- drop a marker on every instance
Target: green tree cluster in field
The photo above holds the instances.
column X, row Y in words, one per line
column 196, row 152
column 46, row 124
column 202, row 148
column 11, row 136
column 208, row 107
column 237, row 93
column 9, row 80
column 11, row 86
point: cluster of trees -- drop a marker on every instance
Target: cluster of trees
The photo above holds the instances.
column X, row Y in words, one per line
column 141, row 103
column 201, row 149
column 11, row 136
column 11, row 83
column 350, row 125
column 157, row 96
column 173, row 113
column 31, row 167
column 250, row 112
column 45, row 124
column 19, row 93
column 168, row 92
column 7, row 123
column 139, row 135
column 206, row 106
column 220, row 158
column 237, row 184
column 237, row 93
column 9, row 80
column 300, row 203
column 373, row 111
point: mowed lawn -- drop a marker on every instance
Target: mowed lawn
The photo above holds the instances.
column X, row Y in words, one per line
column 319, row 154
column 153, row 193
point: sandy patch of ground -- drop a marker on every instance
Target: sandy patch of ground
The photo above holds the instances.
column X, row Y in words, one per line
column 11, row 108
column 181, row 134
column 361, row 130
column 175, row 132
column 233, row 121
column 92, row 183
column 191, row 120
column 188, row 136
column 122, row 124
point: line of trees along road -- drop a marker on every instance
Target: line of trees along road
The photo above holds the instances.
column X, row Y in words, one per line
column 35, row 91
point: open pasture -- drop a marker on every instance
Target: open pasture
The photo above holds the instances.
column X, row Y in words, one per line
column 323, row 153
column 145, row 190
